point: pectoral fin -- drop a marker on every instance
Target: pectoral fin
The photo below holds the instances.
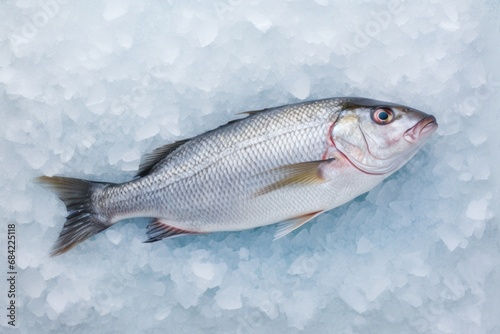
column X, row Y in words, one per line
column 303, row 173
column 288, row 226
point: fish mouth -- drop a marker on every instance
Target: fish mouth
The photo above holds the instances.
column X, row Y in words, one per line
column 423, row 129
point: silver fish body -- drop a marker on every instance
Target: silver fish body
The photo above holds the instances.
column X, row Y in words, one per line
column 280, row 165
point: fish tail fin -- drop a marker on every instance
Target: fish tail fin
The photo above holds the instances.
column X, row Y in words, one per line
column 82, row 221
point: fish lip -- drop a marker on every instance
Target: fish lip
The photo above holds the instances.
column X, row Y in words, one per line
column 423, row 129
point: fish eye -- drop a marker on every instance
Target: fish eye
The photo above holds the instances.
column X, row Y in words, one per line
column 382, row 116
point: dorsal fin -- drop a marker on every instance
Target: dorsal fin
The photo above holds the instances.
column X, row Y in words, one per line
column 149, row 160
column 253, row 112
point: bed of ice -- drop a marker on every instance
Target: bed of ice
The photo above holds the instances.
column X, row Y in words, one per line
column 89, row 86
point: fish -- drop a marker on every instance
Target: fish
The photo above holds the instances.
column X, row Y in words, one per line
column 282, row 165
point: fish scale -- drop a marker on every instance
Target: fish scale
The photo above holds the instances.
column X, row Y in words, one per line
column 285, row 164
column 238, row 183
column 189, row 173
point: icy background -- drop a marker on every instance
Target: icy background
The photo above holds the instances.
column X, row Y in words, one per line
column 87, row 87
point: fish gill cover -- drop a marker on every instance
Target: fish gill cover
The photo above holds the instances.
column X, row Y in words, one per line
column 88, row 87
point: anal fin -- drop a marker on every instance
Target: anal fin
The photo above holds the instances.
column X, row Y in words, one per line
column 294, row 223
column 159, row 229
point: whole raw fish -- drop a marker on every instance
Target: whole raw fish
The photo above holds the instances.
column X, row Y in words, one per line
column 279, row 165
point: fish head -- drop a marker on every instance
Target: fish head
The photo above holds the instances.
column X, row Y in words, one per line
column 380, row 137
